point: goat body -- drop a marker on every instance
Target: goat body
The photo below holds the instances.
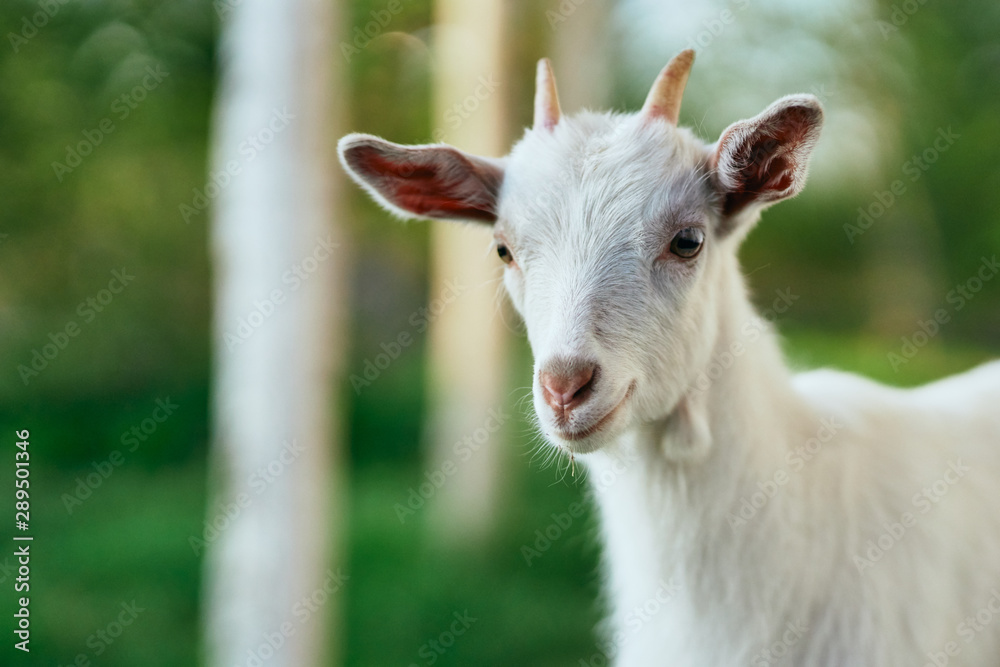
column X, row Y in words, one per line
column 834, row 521
column 750, row 516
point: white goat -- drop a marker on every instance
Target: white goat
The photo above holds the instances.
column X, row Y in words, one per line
column 750, row 516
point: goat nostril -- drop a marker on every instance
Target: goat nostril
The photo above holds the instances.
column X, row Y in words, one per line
column 587, row 380
column 564, row 391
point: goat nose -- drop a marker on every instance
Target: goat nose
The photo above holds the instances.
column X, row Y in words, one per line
column 567, row 385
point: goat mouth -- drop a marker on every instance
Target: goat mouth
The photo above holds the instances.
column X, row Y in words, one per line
column 599, row 424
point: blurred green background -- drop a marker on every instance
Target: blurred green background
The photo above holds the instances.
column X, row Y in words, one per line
column 894, row 78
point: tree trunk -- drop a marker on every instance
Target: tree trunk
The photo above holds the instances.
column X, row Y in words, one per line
column 581, row 52
column 466, row 342
column 278, row 277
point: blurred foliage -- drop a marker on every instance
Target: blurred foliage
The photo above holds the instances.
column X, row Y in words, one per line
column 947, row 219
column 63, row 234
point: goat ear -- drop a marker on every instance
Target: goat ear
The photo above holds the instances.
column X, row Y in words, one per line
column 765, row 159
column 432, row 181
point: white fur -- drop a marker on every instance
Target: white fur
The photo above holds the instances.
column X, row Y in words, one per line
column 710, row 415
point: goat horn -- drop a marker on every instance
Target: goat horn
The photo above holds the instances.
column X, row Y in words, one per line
column 664, row 99
column 546, row 97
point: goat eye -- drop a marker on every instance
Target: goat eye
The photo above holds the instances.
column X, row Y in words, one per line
column 504, row 253
column 688, row 242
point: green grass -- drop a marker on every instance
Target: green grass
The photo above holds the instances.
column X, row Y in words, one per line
column 129, row 541
column 404, row 591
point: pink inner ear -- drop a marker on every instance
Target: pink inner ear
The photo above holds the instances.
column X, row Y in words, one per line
column 766, row 162
column 436, row 182
column 766, row 177
column 415, row 198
